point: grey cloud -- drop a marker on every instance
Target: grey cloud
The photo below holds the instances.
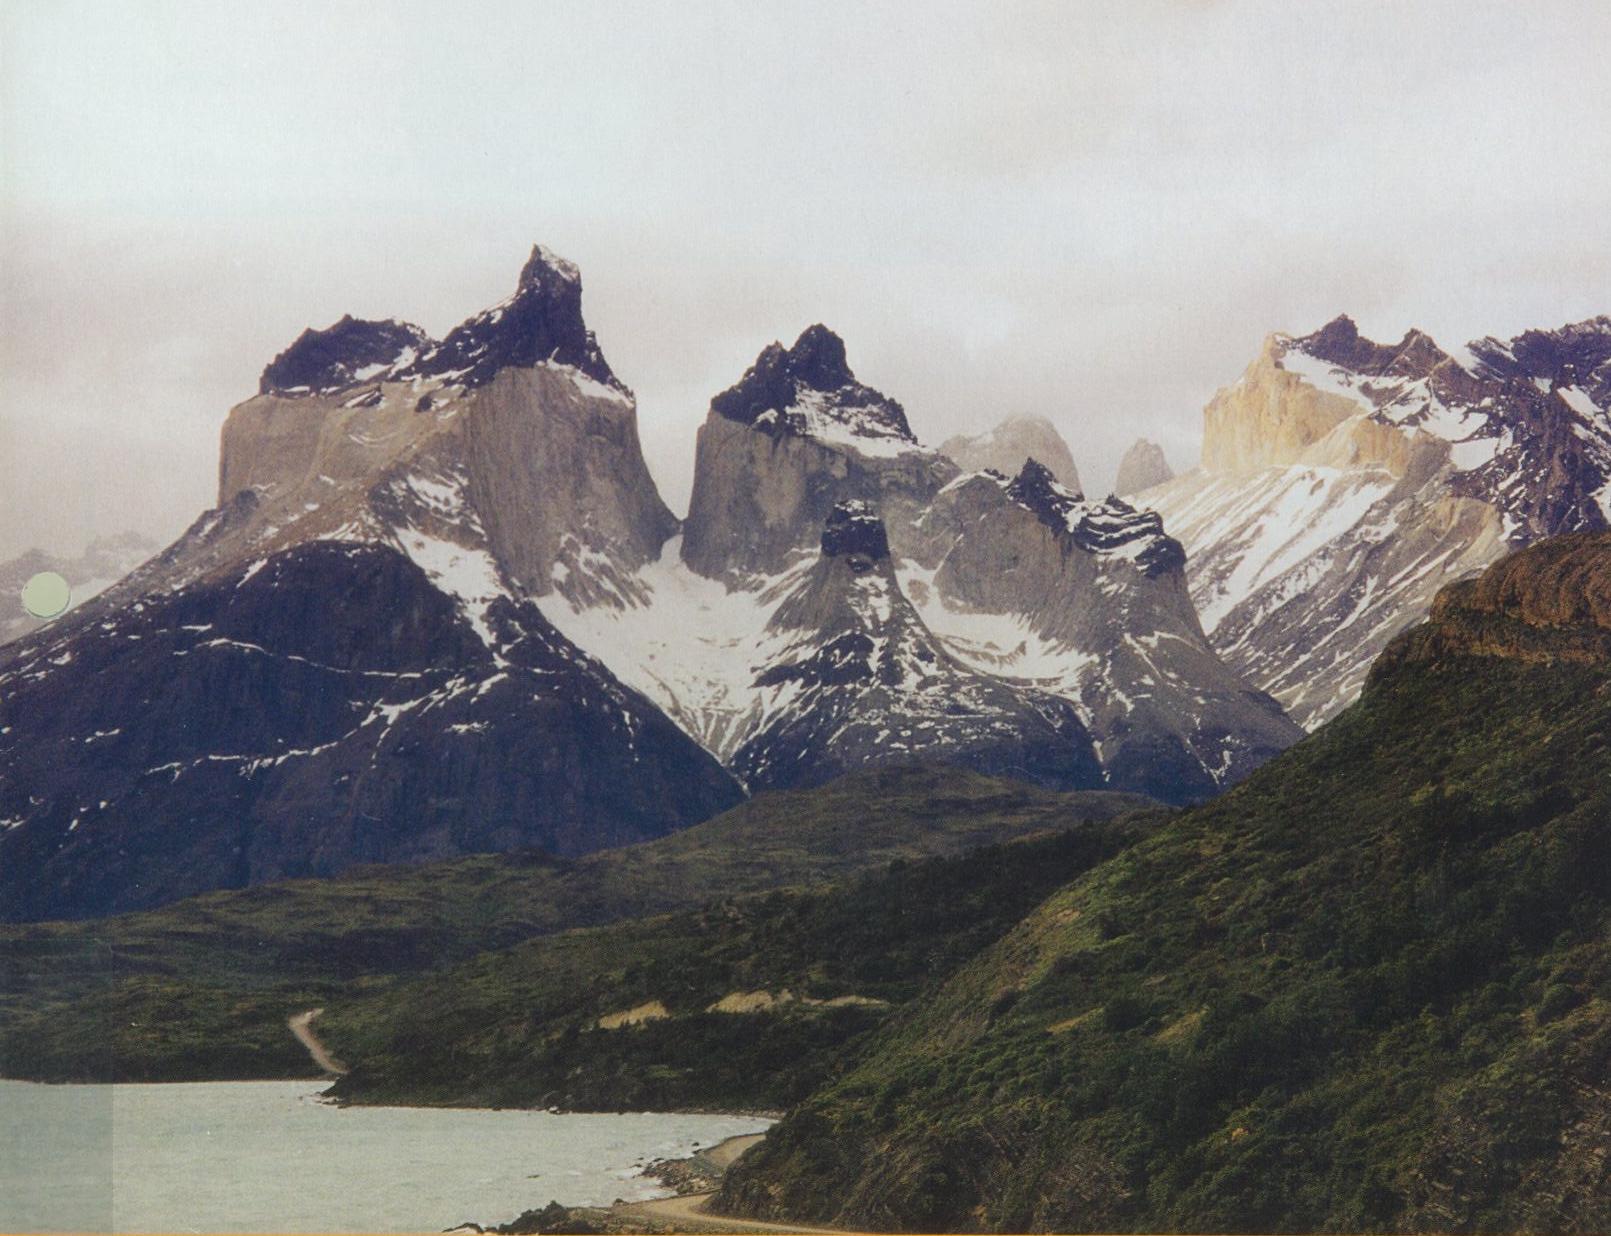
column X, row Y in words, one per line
column 1094, row 212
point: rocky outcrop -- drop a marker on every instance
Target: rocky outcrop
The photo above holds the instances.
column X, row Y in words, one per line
column 1344, row 482
column 1142, row 467
column 532, row 433
column 323, row 361
column 541, row 324
column 1005, row 448
column 1549, row 602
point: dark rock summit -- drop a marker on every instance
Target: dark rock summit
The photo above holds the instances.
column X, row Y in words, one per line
column 322, row 361
column 541, row 322
column 1036, row 488
column 806, row 388
column 1340, row 342
column 1110, row 526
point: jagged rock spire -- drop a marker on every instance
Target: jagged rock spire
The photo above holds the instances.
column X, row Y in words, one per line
column 541, row 322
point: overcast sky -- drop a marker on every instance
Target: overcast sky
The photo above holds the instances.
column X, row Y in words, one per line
column 1090, row 211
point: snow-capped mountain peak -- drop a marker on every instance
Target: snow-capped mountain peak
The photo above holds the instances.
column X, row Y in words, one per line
column 809, row 390
column 342, row 662
column 417, row 544
column 541, row 323
column 1344, row 481
column 544, row 265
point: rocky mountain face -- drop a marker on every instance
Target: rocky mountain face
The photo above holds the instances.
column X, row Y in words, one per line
column 473, row 624
column 1085, row 603
column 1029, row 580
column 858, row 679
column 1142, row 467
column 1343, row 482
column 1010, row 444
column 341, row 663
column 104, row 561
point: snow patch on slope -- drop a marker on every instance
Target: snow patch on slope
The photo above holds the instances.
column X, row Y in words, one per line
column 693, row 647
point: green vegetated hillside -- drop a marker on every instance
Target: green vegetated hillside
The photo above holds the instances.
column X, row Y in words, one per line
column 1370, row 989
column 747, row 1003
column 202, row 988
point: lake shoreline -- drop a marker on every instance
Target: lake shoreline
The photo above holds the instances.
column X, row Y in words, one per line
column 695, row 1179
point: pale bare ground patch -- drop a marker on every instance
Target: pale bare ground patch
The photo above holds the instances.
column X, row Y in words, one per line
column 650, row 1010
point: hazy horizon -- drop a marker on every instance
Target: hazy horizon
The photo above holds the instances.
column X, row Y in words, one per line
column 1089, row 212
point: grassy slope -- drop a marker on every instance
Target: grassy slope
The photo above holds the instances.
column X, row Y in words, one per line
column 201, row 989
column 521, row 1026
column 1369, row 989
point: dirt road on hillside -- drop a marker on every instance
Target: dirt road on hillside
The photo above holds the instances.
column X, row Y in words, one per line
column 300, row 1025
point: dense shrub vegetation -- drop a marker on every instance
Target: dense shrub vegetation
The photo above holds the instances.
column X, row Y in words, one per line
column 1368, row 990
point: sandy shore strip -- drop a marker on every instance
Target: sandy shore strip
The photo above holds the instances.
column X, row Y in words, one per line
column 696, row 1180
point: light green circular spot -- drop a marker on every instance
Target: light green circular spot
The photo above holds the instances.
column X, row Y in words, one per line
column 46, row 595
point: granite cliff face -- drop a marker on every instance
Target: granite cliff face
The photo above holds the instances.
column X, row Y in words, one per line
column 794, row 437
column 342, row 663
column 515, row 417
column 1007, row 447
column 1344, row 482
column 1089, row 600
